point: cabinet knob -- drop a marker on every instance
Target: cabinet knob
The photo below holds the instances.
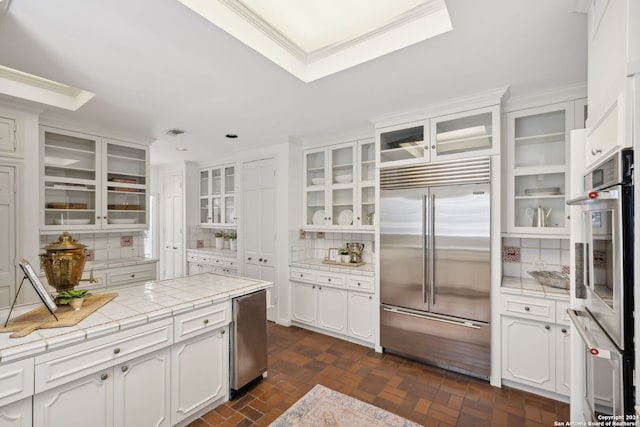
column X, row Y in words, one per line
column 302, row 275
column 265, row 260
column 133, row 275
column 313, row 287
column 563, row 330
column 124, row 368
column 260, row 260
column 547, row 327
column 433, row 147
column 116, row 350
column 527, row 308
column 98, row 217
column 358, row 283
column 222, row 332
column 249, row 259
column 370, row 297
column 104, row 376
column 104, row 217
column 206, row 321
column 329, row 279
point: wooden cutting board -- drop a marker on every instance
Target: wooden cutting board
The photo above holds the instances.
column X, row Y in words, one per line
column 40, row 318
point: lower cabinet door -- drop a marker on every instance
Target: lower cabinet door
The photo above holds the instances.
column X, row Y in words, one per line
column 17, row 414
column 361, row 311
column 199, row 373
column 563, row 359
column 303, row 298
column 142, row 391
column 528, row 352
column 332, row 309
column 87, row 401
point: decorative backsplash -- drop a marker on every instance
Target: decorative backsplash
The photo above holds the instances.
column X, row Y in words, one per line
column 316, row 245
column 106, row 246
column 520, row 255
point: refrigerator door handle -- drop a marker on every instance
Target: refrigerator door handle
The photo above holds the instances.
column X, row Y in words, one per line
column 432, row 250
column 425, row 220
column 463, row 323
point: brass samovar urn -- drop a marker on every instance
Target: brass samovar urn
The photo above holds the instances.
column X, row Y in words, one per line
column 63, row 262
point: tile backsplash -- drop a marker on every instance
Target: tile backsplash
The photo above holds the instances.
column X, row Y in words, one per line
column 315, row 245
column 520, row 255
column 106, row 246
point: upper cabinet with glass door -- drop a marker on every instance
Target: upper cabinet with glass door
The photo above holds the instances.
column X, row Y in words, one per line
column 70, row 193
column 467, row 134
column 125, row 172
column 92, row 183
column 217, row 197
column 365, row 215
column 538, row 155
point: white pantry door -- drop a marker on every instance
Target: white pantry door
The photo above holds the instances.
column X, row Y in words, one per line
column 171, row 262
column 259, row 225
column 7, row 231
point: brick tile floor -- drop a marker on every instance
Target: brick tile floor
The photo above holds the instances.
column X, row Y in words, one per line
column 299, row 359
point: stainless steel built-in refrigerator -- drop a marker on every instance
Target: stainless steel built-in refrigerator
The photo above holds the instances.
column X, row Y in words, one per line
column 435, row 263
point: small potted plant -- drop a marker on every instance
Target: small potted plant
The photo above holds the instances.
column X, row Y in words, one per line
column 73, row 297
column 219, row 235
column 344, row 254
column 233, row 242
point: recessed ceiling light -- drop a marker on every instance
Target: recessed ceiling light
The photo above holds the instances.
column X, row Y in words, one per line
column 182, row 148
column 174, row 132
column 231, row 136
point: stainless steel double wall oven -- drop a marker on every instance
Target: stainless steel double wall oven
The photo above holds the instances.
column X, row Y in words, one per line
column 604, row 281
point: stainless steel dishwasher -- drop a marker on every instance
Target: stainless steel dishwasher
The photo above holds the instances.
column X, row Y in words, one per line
column 248, row 339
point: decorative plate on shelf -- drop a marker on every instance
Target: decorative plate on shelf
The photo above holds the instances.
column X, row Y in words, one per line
column 345, row 217
column 318, row 217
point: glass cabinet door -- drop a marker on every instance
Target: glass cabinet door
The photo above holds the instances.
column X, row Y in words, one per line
column 342, row 179
column 366, row 197
column 71, row 191
column 126, row 173
column 229, row 195
column 538, row 141
column 463, row 133
column 315, row 188
column 205, row 196
column 402, row 143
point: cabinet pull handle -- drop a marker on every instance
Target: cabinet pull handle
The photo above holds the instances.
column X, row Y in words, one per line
column 206, row 321
column 116, row 350
column 563, row 330
column 526, row 308
column 104, row 376
column 547, row 327
column 124, row 368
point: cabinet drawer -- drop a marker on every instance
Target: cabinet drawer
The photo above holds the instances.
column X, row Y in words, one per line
column 306, row 276
column 59, row 367
column 132, row 274
column 360, row 283
column 231, row 264
column 531, row 308
column 330, row 279
column 192, row 258
column 200, row 321
column 16, row 381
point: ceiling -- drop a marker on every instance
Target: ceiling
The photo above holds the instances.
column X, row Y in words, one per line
column 156, row 65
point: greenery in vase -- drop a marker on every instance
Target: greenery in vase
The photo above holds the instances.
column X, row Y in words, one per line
column 64, row 297
column 219, row 234
column 343, row 251
column 233, row 235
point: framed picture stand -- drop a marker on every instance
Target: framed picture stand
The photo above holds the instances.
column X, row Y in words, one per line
column 39, row 288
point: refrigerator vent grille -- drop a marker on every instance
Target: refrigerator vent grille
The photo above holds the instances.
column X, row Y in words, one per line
column 467, row 171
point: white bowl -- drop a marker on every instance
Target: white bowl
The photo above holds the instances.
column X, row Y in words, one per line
column 317, row 181
column 344, row 178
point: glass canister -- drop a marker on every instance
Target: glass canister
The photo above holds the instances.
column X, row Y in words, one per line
column 63, row 262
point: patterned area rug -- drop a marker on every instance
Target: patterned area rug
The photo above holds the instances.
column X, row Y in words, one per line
column 324, row 407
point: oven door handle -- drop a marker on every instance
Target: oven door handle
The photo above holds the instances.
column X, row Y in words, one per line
column 588, row 339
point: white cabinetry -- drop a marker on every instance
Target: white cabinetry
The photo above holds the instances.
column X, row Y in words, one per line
column 200, row 361
column 217, row 196
column 465, row 134
column 535, row 343
column 339, row 186
column 92, row 183
column 8, row 144
column 74, row 386
column 16, row 381
column 216, row 262
column 339, row 303
column 537, row 167
column 17, row 414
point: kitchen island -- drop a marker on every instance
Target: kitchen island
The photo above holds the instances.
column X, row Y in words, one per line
column 157, row 354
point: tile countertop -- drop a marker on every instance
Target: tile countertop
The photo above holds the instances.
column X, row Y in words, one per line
column 213, row 251
column 368, row 269
column 135, row 305
column 525, row 286
column 115, row 263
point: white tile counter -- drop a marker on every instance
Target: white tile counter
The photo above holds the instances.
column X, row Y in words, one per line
column 366, row 270
column 134, row 306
